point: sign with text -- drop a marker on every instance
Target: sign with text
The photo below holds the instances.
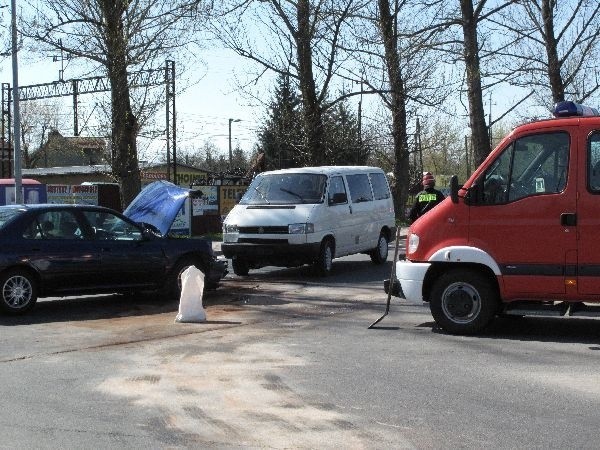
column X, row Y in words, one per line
column 207, row 203
column 66, row 193
column 228, row 197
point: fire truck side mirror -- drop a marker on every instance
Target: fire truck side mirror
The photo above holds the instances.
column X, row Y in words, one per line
column 454, row 189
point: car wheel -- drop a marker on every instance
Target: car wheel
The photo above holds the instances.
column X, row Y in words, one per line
column 174, row 282
column 19, row 291
column 463, row 301
column 322, row 265
column 240, row 267
column 379, row 254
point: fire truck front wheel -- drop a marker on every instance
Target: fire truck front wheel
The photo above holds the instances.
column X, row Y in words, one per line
column 463, row 301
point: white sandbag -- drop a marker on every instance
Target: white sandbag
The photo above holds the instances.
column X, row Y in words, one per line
column 190, row 301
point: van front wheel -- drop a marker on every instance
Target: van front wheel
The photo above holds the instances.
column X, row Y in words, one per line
column 380, row 253
column 322, row 265
column 463, row 301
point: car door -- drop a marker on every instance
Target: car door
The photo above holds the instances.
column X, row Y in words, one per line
column 588, row 219
column 127, row 258
column 361, row 207
column 521, row 217
column 338, row 216
column 55, row 245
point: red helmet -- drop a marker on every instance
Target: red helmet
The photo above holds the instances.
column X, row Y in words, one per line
column 428, row 179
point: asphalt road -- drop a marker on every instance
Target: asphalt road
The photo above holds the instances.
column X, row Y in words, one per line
column 286, row 360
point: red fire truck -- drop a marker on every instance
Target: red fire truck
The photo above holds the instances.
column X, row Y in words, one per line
column 521, row 236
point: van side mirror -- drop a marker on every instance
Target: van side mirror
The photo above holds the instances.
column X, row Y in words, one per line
column 454, row 188
column 238, row 196
column 338, row 197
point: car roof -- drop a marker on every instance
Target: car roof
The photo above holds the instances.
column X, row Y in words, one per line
column 559, row 122
column 37, row 206
column 324, row 170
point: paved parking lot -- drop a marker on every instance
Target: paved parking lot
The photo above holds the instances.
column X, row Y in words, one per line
column 286, row 360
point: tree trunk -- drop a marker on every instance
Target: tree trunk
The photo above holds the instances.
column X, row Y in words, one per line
column 554, row 76
column 313, row 121
column 398, row 108
column 479, row 131
column 124, row 124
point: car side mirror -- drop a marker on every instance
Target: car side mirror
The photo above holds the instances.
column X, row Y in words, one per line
column 338, row 197
column 454, row 189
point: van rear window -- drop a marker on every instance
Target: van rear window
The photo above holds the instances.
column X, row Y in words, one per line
column 380, row 186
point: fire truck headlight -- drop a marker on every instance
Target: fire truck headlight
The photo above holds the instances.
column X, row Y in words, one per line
column 413, row 243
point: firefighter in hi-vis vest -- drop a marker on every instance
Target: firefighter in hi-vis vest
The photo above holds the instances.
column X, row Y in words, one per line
column 427, row 198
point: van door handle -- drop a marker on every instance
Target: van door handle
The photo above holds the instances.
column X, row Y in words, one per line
column 350, row 207
column 568, row 219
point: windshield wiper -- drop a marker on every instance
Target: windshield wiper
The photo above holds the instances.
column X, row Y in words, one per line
column 262, row 195
column 292, row 193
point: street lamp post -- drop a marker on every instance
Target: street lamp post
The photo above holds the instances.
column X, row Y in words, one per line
column 230, row 150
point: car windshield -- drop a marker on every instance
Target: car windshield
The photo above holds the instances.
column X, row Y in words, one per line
column 7, row 214
column 285, row 189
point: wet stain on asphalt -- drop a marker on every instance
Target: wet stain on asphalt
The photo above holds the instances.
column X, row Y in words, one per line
column 262, row 300
column 152, row 379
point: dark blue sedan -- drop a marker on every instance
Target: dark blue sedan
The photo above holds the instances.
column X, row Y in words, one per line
column 59, row 250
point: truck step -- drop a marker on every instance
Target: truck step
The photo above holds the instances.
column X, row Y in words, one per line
column 537, row 309
column 583, row 310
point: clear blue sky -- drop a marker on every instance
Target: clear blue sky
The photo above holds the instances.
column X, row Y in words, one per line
column 203, row 109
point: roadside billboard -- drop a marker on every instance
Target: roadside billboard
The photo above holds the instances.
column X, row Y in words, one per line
column 228, row 197
column 208, row 203
column 66, row 193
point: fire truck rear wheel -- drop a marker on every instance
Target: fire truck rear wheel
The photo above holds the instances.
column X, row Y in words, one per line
column 463, row 301
column 240, row 267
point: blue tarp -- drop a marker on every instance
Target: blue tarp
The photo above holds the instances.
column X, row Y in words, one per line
column 158, row 204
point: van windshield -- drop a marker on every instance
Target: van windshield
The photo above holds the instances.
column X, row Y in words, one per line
column 285, row 189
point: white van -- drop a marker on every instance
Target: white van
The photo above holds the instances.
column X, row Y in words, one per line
column 310, row 215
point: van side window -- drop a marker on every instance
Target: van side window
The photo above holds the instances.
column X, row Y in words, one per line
column 380, row 186
column 594, row 162
column 532, row 165
column 337, row 191
column 360, row 188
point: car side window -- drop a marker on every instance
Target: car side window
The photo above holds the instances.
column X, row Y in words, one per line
column 337, row 191
column 108, row 226
column 532, row 165
column 54, row 225
column 593, row 167
column 359, row 187
column 380, row 185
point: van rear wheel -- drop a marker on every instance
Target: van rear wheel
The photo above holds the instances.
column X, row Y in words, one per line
column 463, row 301
column 379, row 254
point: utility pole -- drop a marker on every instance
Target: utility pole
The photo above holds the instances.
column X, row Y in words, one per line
column 230, row 150
column 419, row 147
column 360, row 140
column 16, row 109
column 490, row 124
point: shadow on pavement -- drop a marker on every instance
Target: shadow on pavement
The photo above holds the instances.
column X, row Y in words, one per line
column 109, row 306
column 343, row 272
column 66, row 309
column 538, row 329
